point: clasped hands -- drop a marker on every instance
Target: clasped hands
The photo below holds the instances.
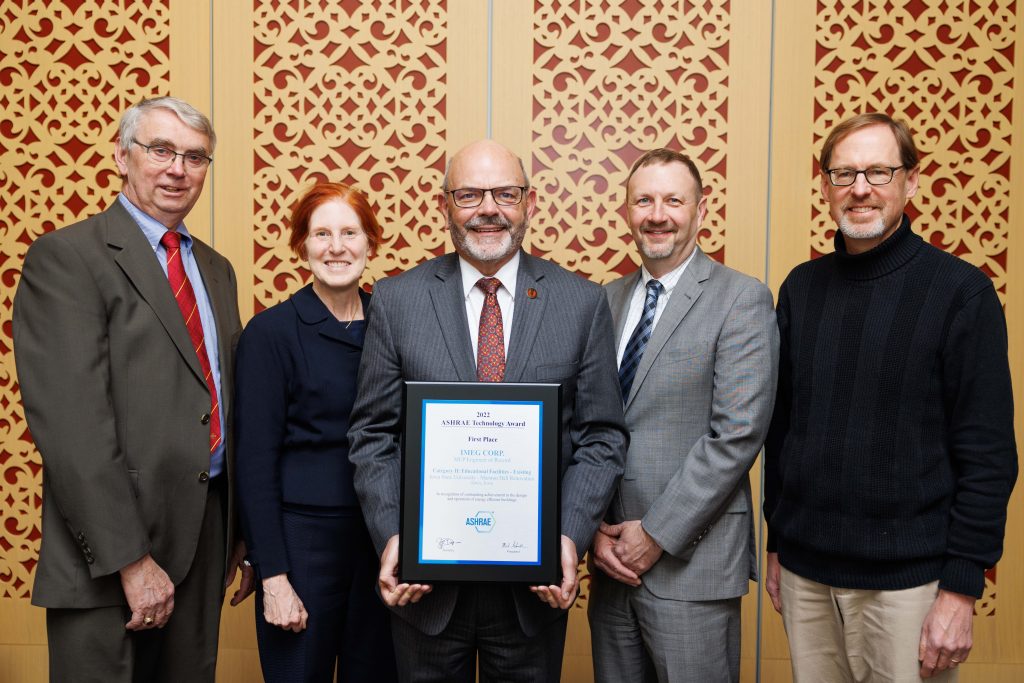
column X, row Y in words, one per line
column 401, row 594
column 625, row 551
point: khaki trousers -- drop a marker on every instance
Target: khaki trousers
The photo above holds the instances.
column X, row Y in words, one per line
column 842, row 635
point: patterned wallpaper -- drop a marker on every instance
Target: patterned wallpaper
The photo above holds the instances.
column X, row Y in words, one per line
column 353, row 93
column 947, row 68
column 611, row 81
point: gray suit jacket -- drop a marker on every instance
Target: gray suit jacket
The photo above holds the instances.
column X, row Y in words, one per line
column 115, row 398
column 418, row 331
column 698, row 412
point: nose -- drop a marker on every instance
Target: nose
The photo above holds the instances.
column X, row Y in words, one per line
column 861, row 186
column 657, row 211
column 337, row 244
column 488, row 206
column 177, row 165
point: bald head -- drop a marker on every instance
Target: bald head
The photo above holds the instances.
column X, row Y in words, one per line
column 483, row 152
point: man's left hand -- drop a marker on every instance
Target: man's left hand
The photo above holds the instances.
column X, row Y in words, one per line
column 562, row 597
column 635, row 547
column 247, row 583
column 946, row 638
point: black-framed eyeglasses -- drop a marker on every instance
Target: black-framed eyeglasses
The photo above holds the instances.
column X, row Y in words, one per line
column 163, row 156
column 468, row 197
column 876, row 175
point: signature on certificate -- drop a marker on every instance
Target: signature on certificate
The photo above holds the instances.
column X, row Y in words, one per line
column 445, row 543
column 512, row 546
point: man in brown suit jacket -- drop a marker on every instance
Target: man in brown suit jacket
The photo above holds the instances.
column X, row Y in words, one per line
column 128, row 407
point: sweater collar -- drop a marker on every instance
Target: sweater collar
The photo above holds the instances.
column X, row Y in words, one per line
column 883, row 259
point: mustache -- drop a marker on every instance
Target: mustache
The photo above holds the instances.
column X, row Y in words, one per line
column 496, row 220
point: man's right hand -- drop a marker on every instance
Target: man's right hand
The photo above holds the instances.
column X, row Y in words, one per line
column 281, row 604
column 771, row 580
column 605, row 558
column 397, row 594
column 149, row 592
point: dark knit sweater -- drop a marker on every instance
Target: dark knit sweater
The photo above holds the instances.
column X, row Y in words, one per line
column 891, row 454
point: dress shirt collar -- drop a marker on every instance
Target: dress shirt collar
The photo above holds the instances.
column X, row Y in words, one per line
column 152, row 228
column 671, row 278
column 507, row 274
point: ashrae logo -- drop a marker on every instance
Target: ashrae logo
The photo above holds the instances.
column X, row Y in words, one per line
column 482, row 521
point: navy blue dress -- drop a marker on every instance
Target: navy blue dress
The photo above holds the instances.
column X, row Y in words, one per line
column 295, row 381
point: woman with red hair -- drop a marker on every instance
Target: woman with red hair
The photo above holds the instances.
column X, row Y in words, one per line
column 296, row 368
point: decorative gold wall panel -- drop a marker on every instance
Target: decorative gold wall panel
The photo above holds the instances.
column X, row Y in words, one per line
column 351, row 92
column 946, row 67
column 611, row 81
column 67, row 71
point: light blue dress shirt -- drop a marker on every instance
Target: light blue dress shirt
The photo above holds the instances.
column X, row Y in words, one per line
column 154, row 230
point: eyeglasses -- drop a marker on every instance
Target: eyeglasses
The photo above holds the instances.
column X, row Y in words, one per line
column 876, row 175
column 468, row 197
column 164, row 156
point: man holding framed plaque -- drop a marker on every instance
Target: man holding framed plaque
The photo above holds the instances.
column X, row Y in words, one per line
column 487, row 313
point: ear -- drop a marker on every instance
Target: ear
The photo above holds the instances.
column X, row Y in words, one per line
column 531, row 203
column 913, row 180
column 702, row 210
column 826, row 186
column 121, row 158
column 442, row 204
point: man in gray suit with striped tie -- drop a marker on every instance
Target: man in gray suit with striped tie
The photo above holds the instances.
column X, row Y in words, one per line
column 489, row 312
column 698, row 360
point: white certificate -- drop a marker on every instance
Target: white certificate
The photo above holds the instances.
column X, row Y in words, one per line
column 480, row 484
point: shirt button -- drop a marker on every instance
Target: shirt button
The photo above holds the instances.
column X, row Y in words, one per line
column 204, row 477
column 205, row 419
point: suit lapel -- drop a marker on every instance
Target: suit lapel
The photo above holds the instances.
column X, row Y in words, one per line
column 529, row 311
column 450, row 308
column 620, row 305
column 136, row 259
column 684, row 296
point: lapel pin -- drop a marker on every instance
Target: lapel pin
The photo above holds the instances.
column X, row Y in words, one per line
column 531, row 293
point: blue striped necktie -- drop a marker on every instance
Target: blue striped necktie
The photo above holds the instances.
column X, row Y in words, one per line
column 638, row 340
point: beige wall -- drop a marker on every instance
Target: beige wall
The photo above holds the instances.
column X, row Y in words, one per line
column 379, row 95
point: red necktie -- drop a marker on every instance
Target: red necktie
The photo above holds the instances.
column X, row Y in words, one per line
column 186, row 298
column 490, row 353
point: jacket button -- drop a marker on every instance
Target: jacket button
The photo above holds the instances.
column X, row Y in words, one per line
column 205, row 419
column 204, row 477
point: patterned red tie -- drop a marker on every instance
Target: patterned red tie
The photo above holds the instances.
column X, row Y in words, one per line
column 490, row 354
column 186, row 298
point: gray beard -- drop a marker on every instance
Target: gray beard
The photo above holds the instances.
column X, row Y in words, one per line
column 513, row 239
column 861, row 232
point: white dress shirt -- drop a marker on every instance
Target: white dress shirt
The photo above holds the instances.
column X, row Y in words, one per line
column 636, row 303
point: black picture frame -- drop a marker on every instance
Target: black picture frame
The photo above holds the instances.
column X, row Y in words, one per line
column 545, row 569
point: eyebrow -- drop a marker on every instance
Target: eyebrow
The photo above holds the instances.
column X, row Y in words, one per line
column 163, row 142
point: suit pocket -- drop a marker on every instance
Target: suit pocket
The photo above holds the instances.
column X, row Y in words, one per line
column 134, row 476
column 692, row 350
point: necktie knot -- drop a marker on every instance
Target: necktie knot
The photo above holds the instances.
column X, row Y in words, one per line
column 654, row 289
column 490, row 285
column 171, row 239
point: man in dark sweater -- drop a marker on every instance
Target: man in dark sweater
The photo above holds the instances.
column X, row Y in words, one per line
column 891, row 454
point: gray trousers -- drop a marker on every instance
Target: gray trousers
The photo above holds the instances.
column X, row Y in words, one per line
column 638, row 637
